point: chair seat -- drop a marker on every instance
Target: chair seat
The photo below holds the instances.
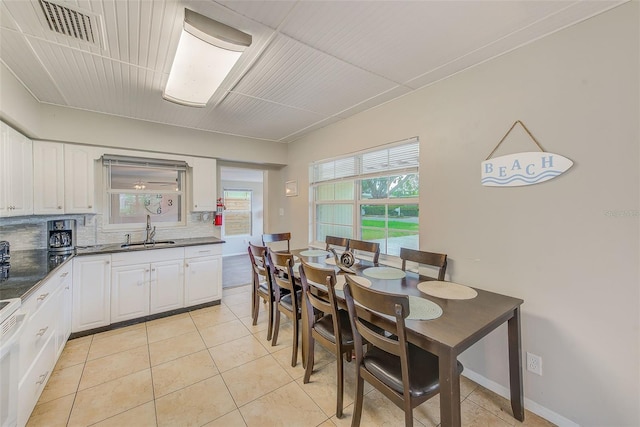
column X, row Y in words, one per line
column 324, row 327
column 286, row 302
column 423, row 369
column 263, row 289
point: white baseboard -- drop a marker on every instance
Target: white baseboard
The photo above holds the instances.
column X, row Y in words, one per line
column 529, row 404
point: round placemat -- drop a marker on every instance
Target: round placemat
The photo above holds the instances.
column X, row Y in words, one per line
column 384, row 273
column 314, row 252
column 340, row 281
column 447, row 290
column 423, row 309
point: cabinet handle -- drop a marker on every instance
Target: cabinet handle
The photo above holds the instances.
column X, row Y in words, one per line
column 42, row 331
column 153, row 269
column 64, row 274
column 90, row 206
column 42, row 377
column 187, row 265
column 59, row 207
column 106, row 262
column 43, row 296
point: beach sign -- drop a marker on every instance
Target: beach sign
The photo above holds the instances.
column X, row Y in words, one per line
column 526, row 168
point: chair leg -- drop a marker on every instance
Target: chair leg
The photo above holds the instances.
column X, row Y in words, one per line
column 340, row 381
column 309, row 367
column 408, row 417
column 256, row 309
column 294, row 355
column 270, row 328
column 357, row 407
column 276, row 325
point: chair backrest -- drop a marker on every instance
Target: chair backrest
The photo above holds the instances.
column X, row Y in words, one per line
column 371, row 247
column 394, row 305
column 281, row 267
column 332, row 241
column 257, row 254
column 318, row 291
column 425, row 258
column 276, row 237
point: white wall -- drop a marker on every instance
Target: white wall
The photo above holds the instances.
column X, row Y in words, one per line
column 557, row 245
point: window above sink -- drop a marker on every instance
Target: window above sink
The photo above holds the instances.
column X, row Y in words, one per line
column 137, row 187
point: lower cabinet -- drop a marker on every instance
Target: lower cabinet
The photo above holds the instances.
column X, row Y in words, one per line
column 48, row 324
column 91, row 292
column 203, row 274
column 146, row 282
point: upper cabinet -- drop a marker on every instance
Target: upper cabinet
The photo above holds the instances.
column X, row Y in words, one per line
column 79, row 179
column 63, row 178
column 16, row 173
column 48, row 178
column 203, row 185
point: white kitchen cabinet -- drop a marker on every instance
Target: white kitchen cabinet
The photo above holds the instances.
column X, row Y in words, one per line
column 91, row 292
column 166, row 286
column 79, row 179
column 48, row 178
column 146, row 282
column 203, row 185
column 45, row 333
column 129, row 292
column 16, row 173
column 203, row 274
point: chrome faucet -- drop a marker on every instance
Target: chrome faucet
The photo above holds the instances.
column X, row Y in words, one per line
column 151, row 233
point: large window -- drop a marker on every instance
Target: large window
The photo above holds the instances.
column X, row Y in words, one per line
column 237, row 215
column 372, row 195
column 138, row 187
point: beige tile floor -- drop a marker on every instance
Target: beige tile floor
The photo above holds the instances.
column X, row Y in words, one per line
column 212, row 367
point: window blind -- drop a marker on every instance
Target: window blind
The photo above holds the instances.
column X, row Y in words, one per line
column 401, row 158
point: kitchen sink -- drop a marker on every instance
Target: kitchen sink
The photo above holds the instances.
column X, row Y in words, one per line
column 148, row 245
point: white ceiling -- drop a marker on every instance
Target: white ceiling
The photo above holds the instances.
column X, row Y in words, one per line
column 311, row 63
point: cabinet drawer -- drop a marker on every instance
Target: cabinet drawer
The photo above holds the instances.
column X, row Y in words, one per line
column 146, row 256
column 35, row 379
column 204, row 250
column 44, row 293
column 40, row 327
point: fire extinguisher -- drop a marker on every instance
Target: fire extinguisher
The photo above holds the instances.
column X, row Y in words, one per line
column 219, row 209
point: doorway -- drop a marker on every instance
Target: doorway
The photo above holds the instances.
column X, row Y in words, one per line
column 243, row 191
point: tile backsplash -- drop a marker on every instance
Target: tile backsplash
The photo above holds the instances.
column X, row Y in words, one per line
column 30, row 232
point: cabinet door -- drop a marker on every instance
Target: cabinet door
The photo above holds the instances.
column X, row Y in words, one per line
column 129, row 292
column 203, row 280
column 91, row 292
column 48, row 178
column 203, row 185
column 166, row 286
column 16, row 189
column 79, row 179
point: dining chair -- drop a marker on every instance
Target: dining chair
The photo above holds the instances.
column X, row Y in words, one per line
column 403, row 372
column 363, row 246
column 331, row 328
column 425, row 258
column 276, row 237
column 287, row 296
column 341, row 242
column 262, row 286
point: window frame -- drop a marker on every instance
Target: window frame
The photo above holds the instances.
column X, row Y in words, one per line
column 356, row 176
column 112, row 160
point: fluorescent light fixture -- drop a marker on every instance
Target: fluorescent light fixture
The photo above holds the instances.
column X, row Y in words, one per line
column 207, row 51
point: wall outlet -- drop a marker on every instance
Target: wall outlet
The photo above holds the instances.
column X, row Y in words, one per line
column 534, row 363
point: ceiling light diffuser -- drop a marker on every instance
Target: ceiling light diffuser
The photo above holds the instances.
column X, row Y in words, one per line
column 207, row 51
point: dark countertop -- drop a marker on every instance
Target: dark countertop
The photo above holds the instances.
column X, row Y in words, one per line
column 28, row 269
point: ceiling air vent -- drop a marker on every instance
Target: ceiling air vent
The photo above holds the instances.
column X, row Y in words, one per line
column 70, row 22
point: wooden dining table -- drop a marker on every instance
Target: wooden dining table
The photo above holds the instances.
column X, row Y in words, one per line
column 463, row 323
